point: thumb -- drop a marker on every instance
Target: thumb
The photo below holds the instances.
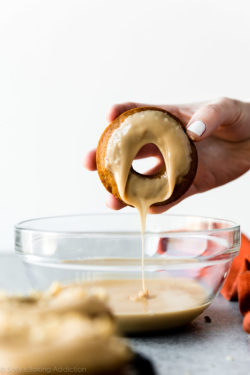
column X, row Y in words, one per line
column 210, row 117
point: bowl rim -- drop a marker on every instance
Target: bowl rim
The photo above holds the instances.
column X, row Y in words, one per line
column 23, row 226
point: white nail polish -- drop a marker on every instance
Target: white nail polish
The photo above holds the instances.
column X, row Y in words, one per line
column 197, row 127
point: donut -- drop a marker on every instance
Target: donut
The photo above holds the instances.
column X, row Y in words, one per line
column 170, row 127
column 59, row 329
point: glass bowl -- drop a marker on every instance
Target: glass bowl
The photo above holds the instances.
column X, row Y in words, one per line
column 186, row 261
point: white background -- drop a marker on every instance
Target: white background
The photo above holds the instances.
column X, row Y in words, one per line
column 64, row 63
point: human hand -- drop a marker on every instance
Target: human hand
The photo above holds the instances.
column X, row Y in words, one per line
column 221, row 130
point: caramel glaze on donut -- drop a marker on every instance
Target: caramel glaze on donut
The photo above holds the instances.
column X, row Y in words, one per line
column 106, row 175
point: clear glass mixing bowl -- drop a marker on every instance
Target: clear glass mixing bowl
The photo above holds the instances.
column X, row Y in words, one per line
column 96, row 247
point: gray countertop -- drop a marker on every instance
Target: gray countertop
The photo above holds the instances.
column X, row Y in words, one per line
column 216, row 348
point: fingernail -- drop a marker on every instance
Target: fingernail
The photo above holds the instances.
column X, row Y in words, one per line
column 197, row 128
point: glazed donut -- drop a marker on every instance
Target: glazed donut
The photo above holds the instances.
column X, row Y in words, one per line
column 127, row 134
column 63, row 327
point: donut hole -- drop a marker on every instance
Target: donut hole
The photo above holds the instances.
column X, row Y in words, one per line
column 148, row 161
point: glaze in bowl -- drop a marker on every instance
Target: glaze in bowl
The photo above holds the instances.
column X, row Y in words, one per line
column 99, row 249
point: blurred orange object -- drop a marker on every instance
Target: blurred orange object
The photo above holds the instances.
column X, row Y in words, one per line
column 237, row 284
column 244, row 297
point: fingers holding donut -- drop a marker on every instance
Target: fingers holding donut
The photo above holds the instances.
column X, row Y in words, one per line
column 183, row 112
column 225, row 118
column 159, row 128
column 89, row 161
column 114, row 203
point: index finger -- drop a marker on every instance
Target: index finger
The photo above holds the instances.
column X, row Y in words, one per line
column 89, row 161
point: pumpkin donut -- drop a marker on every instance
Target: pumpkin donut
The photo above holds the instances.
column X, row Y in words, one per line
column 158, row 127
